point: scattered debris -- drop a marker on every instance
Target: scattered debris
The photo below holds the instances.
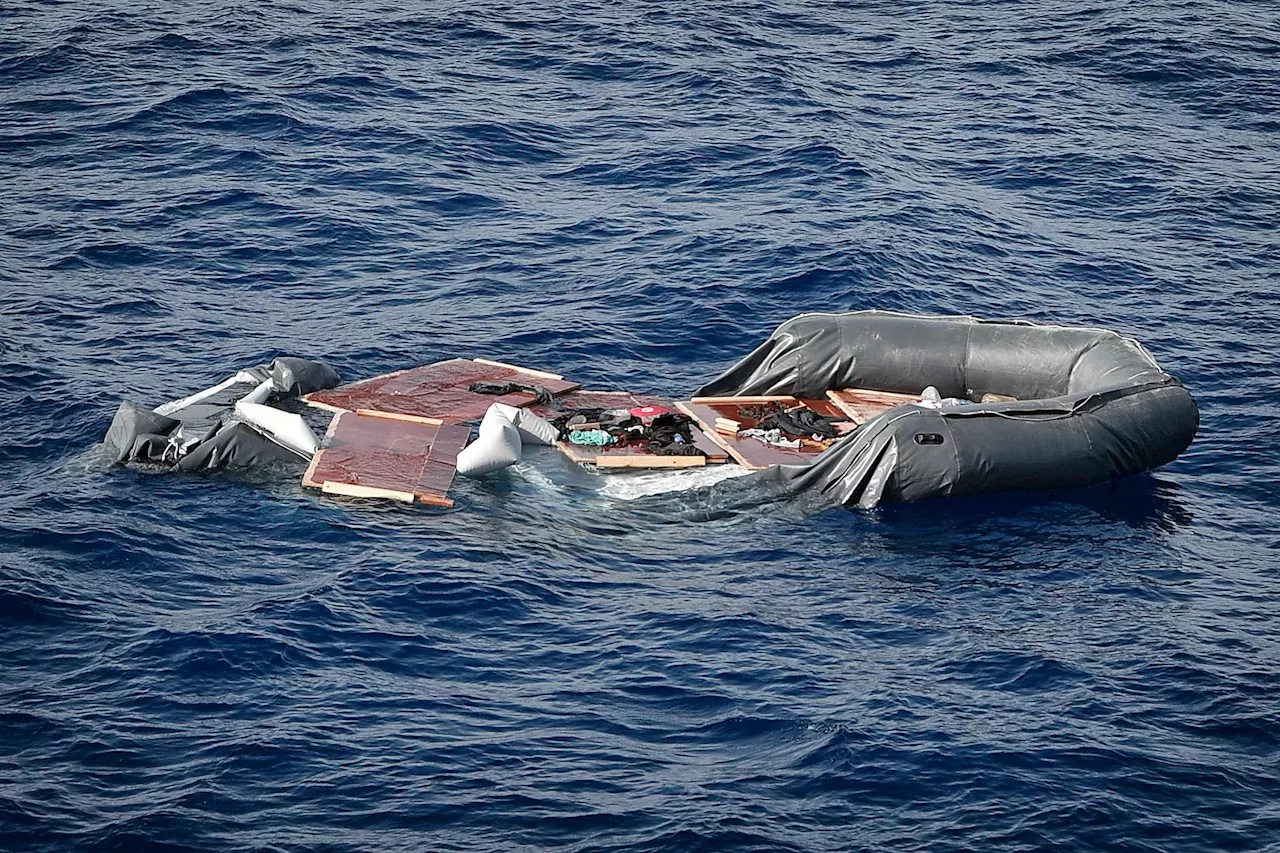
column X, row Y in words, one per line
column 861, row 405
column 642, row 432
column 748, row 413
column 403, row 435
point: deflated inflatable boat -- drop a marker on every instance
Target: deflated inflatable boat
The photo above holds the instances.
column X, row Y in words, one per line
column 1091, row 406
column 1076, row 407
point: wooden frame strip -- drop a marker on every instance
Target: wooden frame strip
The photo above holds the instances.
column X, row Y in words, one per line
column 889, row 399
column 307, row 478
column 714, row 436
column 350, row 490
column 650, row 461
column 323, row 406
column 393, row 416
column 720, row 401
column 541, row 373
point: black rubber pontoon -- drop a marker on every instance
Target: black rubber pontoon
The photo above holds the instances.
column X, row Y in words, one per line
column 1092, row 406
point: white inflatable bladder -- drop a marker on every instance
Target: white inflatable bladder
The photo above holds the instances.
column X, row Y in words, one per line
column 243, row 377
column 500, row 443
column 262, row 392
column 290, row 430
column 532, row 429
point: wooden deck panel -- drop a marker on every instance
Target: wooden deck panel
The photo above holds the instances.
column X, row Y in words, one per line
column 378, row 457
column 437, row 391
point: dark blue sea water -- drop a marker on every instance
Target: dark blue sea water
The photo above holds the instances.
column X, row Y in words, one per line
column 632, row 195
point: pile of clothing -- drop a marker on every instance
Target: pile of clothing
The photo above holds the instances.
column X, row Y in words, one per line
column 652, row 428
column 780, row 426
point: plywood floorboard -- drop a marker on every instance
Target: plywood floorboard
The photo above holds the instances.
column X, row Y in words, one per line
column 437, row 391
column 364, row 456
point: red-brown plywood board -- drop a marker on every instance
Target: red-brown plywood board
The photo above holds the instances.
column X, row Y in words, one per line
column 384, row 457
column 437, row 390
column 861, row 405
column 442, row 464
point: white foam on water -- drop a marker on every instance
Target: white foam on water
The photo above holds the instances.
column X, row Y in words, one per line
column 629, row 487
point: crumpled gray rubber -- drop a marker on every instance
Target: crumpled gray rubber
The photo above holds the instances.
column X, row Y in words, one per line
column 203, row 436
column 1093, row 406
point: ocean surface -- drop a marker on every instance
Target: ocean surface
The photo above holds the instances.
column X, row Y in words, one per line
column 633, row 195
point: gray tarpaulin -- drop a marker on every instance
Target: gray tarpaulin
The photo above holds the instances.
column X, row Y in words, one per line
column 199, row 432
column 1092, row 406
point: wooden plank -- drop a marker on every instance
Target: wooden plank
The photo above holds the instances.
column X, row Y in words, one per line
column 620, row 458
column 861, row 405
column 315, row 404
column 436, row 500
column 540, row 373
column 710, row 401
column 441, row 465
column 373, row 413
column 727, row 426
column 824, row 407
column 378, row 457
column 577, row 452
column 720, row 439
column 749, row 452
column 708, row 445
column 352, row 490
column 652, row 461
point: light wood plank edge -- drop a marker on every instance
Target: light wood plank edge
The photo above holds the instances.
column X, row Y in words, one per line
column 581, row 456
column 434, row 500
column 308, row 478
column 717, row 401
column 541, row 373
column 650, row 461
column 351, row 490
column 711, row 433
column 396, row 416
column 325, row 406
column 834, row 397
column 571, row 450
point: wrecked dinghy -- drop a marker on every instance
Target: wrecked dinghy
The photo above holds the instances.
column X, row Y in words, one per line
column 227, row 425
column 1079, row 406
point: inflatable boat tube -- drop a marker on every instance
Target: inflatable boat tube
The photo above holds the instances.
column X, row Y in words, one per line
column 1092, row 406
column 500, row 444
column 285, row 428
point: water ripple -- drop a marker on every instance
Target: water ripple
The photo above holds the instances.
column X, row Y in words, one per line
column 632, row 196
